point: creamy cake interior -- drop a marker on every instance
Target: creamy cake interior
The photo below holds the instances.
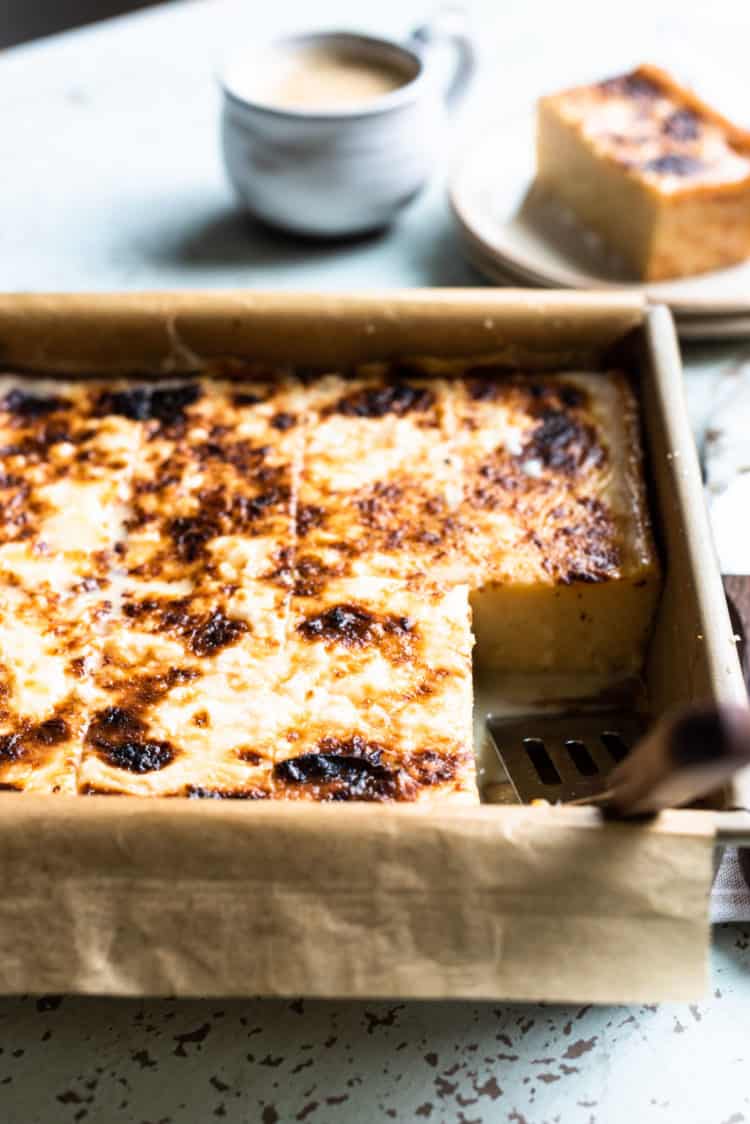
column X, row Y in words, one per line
column 258, row 584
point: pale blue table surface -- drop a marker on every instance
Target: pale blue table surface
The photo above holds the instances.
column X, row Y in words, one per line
column 111, row 179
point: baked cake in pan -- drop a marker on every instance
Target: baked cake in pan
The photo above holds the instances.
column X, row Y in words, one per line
column 658, row 174
column 261, row 585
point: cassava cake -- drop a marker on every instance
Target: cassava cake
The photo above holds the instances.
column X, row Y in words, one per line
column 659, row 175
column 253, row 584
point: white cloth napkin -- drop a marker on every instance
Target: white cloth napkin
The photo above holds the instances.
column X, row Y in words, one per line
column 726, row 460
column 730, row 897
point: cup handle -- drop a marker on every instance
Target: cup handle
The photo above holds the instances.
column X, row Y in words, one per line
column 449, row 26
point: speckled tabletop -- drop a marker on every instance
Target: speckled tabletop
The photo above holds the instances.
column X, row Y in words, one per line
column 274, row 1061
column 112, row 180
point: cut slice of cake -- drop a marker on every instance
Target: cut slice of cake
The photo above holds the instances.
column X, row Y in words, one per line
column 556, row 536
column 63, row 481
column 63, row 486
column 658, row 174
column 184, row 695
column 213, row 492
column 379, row 483
column 337, row 758
column 193, row 631
column 45, row 650
column 378, row 689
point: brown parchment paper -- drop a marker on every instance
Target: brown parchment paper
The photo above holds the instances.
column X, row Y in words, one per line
column 132, row 898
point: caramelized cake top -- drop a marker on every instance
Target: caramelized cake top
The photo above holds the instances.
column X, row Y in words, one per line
column 552, row 479
column 256, row 584
column 652, row 127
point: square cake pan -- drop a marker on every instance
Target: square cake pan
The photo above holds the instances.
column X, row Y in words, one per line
column 131, row 896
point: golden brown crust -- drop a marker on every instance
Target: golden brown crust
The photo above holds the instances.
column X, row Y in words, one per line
column 379, row 480
column 738, row 137
column 271, row 598
column 661, row 133
column 551, row 493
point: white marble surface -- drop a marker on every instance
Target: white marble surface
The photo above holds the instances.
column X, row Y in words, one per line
column 111, row 179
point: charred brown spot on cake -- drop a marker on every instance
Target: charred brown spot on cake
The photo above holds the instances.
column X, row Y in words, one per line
column 401, row 513
column 199, row 792
column 27, row 406
column 91, row 584
column 354, row 745
column 119, row 737
column 191, row 534
column 32, row 739
column 309, row 515
column 346, row 769
column 246, row 398
column 350, row 625
column 399, row 398
column 144, row 691
column 540, row 396
column 35, row 441
column 563, row 443
column 353, row 626
column 634, row 86
column 281, row 568
column 15, row 509
column 134, row 694
column 310, row 575
column 674, row 164
column 114, row 723
column 163, row 404
column 432, row 683
column 579, row 543
column 489, row 384
column 249, row 459
column 11, row 747
column 380, row 502
column 205, row 633
column 431, row 767
column 52, row 731
column 11, row 482
column 138, row 757
column 217, row 631
column 201, row 719
column 283, row 421
column 224, row 513
column 249, row 756
column 682, row 125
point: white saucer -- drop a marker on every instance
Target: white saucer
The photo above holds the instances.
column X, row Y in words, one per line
column 514, row 230
column 719, row 327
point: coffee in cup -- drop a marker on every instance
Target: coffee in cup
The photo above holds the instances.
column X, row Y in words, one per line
column 332, row 133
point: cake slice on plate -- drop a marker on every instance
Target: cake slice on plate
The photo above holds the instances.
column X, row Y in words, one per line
column 661, row 177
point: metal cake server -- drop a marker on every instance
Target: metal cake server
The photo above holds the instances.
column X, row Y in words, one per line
column 603, row 758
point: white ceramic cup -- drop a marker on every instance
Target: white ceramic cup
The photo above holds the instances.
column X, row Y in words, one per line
column 350, row 170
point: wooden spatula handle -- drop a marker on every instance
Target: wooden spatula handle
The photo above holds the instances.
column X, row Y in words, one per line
column 686, row 755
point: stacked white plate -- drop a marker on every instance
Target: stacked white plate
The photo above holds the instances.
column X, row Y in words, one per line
column 513, row 236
